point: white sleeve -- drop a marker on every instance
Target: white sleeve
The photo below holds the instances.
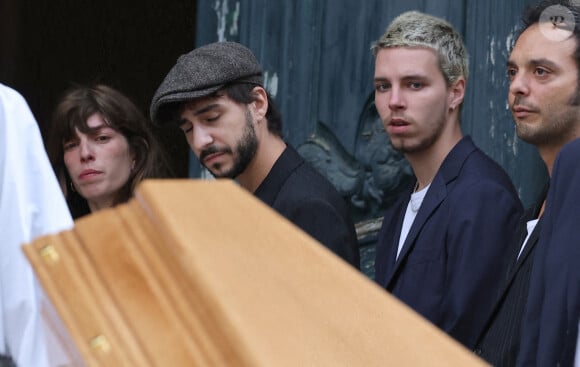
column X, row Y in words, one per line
column 31, row 205
column 577, row 363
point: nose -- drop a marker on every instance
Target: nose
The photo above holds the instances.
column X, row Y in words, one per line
column 519, row 85
column 86, row 151
column 396, row 99
column 202, row 138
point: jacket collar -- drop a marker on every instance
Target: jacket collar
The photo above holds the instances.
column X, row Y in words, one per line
column 288, row 161
column 437, row 192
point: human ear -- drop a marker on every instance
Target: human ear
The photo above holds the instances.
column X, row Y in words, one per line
column 456, row 93
column 260, row 103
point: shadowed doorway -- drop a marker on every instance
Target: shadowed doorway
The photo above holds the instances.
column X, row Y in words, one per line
column 49, row 46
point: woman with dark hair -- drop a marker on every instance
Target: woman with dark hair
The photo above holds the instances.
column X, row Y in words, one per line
column 101, row 146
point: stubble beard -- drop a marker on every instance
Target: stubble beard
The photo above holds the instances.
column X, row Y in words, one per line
column 554, row 128
column 540, row 135
column 407, row 146
column 245, row 150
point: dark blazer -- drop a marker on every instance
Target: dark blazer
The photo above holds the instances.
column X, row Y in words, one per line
column 551, row 319
column 297, row 191
column 500, row 340
column 454, row 256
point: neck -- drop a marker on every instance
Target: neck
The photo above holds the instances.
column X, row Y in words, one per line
column 548, row 155
column 96, row 205
column 269, row 150
column 550, row 152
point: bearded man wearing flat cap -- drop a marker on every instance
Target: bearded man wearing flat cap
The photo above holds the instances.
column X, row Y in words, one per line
column 215, row 95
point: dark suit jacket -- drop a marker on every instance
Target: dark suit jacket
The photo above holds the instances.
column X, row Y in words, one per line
column 551, row 319
column 297, row 191
column 500, row 340
column 454, row 257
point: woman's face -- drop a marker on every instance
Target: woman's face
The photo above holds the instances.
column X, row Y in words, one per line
column 99, row 163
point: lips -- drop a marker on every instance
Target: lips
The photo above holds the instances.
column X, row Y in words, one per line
column 88, row 174
column 212, row 153
column 398, row 122
column 210, row 157
column 522, row 111
column 397, row 125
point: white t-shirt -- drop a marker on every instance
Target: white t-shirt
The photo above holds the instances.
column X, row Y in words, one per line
column 410, row 214
column 530, row 227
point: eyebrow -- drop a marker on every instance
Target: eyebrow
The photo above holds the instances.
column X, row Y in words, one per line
column 205, row 109
column 405, row 78
column 91, row 131
column 199, row 112
column 544, row 61
column 97, row 129
column 535, row 62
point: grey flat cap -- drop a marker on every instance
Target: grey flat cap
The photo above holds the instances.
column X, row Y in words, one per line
column 200, row 73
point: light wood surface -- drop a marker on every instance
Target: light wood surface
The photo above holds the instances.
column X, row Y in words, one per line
column 201, row 273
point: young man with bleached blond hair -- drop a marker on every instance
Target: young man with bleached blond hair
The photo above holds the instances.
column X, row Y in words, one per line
column 443, row 245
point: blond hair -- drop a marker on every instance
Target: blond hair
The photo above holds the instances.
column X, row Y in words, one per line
column 415, row 29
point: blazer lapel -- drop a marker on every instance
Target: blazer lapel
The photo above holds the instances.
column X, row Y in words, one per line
column 530, row 214
column 437, row 192
column 517, row 262
column 435, row 195
column 532, row 241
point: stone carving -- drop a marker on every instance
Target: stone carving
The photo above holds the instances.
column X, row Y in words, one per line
column 372, row 178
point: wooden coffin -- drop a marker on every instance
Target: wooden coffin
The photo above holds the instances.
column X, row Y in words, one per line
column 201, row 273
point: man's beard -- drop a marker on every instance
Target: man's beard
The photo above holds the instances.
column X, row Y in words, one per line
column 409, row 146
column 559, row 128
column 245, row 148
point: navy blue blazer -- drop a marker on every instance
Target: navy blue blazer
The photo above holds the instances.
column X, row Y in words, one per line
column 551, row 320
column 456, row 252
column 500, row 341
column 306, row 198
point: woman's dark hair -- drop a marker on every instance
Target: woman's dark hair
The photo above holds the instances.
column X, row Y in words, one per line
column 120, row 114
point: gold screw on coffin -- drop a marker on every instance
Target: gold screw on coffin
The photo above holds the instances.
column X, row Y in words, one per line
column 49, row 254
column 100, row 344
